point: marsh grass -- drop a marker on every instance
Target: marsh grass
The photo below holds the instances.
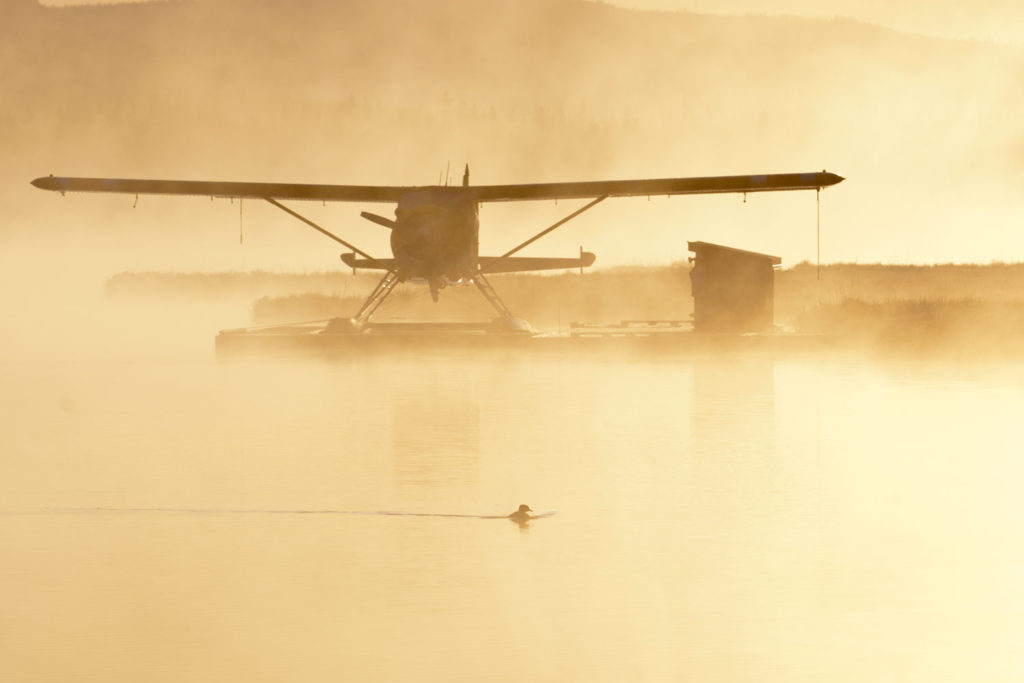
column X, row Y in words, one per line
column 551, row 302
column 952, row 308
column 960, row 326
column 963, row 310
column 234, row 284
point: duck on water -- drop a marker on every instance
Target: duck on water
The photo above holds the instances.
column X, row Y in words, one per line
column 522, row 514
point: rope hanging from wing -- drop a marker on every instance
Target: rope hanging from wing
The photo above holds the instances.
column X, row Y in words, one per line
column 819, row 231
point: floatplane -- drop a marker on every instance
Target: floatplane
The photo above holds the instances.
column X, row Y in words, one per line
column 435, row 231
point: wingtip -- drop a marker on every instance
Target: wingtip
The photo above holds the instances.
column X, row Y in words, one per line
column 45, row 183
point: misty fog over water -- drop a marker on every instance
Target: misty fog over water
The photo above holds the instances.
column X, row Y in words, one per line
column 720, row 517
column 715, row 520
column 842, row 516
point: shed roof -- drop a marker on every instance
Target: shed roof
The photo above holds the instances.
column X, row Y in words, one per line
column 698, row 247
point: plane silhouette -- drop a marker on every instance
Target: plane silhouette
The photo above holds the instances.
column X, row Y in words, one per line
column 435, row 231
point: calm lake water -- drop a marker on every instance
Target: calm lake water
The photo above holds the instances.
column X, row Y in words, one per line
column 718, row 519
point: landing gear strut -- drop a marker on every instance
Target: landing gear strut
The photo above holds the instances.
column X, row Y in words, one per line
column 376, row 298
column 492, row 296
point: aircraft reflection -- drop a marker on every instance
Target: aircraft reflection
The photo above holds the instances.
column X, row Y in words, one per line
column 733, row 400
column 435, row 432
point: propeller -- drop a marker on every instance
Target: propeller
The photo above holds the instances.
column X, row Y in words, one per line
column 379, row 220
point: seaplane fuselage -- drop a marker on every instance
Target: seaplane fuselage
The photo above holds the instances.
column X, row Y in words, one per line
column 436, row 235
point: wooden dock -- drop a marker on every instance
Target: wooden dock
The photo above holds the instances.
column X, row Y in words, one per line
column 630, row 338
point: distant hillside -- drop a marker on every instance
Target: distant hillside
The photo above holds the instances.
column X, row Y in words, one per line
column 147, row 77
column 385, row 91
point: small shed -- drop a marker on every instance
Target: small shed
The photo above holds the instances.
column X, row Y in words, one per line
column 733, row 290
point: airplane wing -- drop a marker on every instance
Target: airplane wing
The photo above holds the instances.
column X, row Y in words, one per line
column 664, row 186
column 203, row 188
column 483, row 193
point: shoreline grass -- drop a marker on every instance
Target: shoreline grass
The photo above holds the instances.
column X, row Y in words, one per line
column 954, row 308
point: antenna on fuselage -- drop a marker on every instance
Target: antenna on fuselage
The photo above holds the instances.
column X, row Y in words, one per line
column 465, row 177
column 448, row 174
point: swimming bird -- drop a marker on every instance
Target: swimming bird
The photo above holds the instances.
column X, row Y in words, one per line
column 522, row 514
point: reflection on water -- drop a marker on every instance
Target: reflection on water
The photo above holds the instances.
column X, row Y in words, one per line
column 720, row 519
column 436, row 427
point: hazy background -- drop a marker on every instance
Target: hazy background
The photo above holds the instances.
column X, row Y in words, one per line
column 988, row 20
column 720, row 517
column 926, row 129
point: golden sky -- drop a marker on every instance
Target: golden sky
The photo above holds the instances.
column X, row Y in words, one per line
column 1000, row 21
column 926, row 131
column 990, row 20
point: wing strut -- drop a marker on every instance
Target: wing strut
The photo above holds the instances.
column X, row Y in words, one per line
column 334, row 237
column 383, row 288
column 493, row 264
